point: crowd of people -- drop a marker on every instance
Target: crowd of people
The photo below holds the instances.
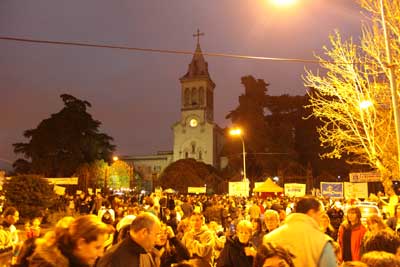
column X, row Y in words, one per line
column 207, row 231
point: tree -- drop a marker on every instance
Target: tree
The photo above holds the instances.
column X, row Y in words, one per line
column 249, row 115
column 352, row 99
column 61, row 143
column 183, row 173
column 30, row 194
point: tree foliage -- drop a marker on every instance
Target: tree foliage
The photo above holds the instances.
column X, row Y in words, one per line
column 352, row 98
column 184, row 173
column 61, row 143
column 30, row 194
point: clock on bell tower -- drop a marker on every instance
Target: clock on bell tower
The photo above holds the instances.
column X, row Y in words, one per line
column 196, row 135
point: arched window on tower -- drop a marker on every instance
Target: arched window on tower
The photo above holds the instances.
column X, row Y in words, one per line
column 194, row 96
column 186, row 155
column 193, row 145
column 200, row 155
column 187, row 97
column 201, row 96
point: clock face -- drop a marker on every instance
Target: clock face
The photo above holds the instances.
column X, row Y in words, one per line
column 193, row 123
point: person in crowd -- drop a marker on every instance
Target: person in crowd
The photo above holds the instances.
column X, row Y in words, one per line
column 375, row 224
column 383, row 240
column 351, row 234
column 271, row 220
column 270, row 255
column 380, row 259
column 301, row 235
column 137, row 249
column 33, row 230
column 336, row 215
column 238, row 251
column 81, row 244
column 326, row 226
column 394, row 222
column 11, row 217
column 281, row 211
column 199, row 241
column 183, row 226
column 170, row 249
column 30, row 244
column 258, row 233
column 254, row 210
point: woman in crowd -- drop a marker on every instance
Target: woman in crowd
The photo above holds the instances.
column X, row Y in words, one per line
column 351, row 233
column 394, row 222
column 170, row 249
column 326, row 227
column 258, row 233
column 79, row 245
column 238, row 251
column 199, row 241
column 273, row 256
column 271, row 220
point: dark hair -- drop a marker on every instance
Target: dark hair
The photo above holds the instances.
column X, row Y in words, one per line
column 144, row 220
column 380, row 259
column 383, row 240
column 307, row 203
column 259, row 223
column 270, row 250
column 10, row 211
column 357, row 211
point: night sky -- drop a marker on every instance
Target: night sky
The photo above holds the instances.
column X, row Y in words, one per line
column 136, row 95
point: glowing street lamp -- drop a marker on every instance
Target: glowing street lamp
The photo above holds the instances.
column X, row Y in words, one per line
column 283, row 2
column 365, row 104
column 238, row 132
column 115, row 158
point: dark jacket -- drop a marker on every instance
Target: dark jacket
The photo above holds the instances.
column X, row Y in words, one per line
column 50, row 255
column 177, row 253
column 125, row 254
column 233, row 255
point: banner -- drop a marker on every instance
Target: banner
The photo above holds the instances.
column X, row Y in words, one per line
column 355, row 190
column 363, row 177
column 239, row 188
column 67, row 180
column 331, row 189
column 196, row 190
column 59, row 190
column 295, row 190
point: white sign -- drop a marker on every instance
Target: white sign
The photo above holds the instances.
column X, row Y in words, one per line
column 355, row 190
column 295, row 190
column 363, row 177
column 239, row 188
column 196, row 190
column 59, row 190
column 67, row 180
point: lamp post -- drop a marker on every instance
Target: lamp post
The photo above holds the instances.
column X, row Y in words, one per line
column 238, row 132
column 392, row 82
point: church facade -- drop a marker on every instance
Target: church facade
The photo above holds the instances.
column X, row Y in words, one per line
column 196, row 135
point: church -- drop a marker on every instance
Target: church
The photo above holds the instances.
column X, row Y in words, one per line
column 195, row 134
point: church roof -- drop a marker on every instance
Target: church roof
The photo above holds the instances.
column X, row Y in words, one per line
column 198, row 67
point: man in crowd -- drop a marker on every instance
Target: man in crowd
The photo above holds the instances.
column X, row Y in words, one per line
column 136, row 249
column 301, row 235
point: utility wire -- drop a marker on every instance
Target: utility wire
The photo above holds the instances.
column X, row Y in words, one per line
column 165, row 51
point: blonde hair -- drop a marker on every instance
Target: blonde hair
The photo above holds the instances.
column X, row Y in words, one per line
column 245, row 224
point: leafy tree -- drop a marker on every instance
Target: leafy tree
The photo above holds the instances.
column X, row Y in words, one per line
column 354, row 76
column 30, row 194
column 120, row 175
column 61, row 143
column 184, row 173
column 249, row 115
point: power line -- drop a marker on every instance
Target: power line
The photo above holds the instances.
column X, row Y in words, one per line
column 165, row 51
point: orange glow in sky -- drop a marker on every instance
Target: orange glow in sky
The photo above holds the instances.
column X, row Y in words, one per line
column 284, row 2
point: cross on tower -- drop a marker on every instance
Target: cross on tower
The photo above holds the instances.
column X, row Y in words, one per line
column 198, row 34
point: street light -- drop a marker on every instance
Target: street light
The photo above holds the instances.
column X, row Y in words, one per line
column 238, row 132
column 284, row 2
